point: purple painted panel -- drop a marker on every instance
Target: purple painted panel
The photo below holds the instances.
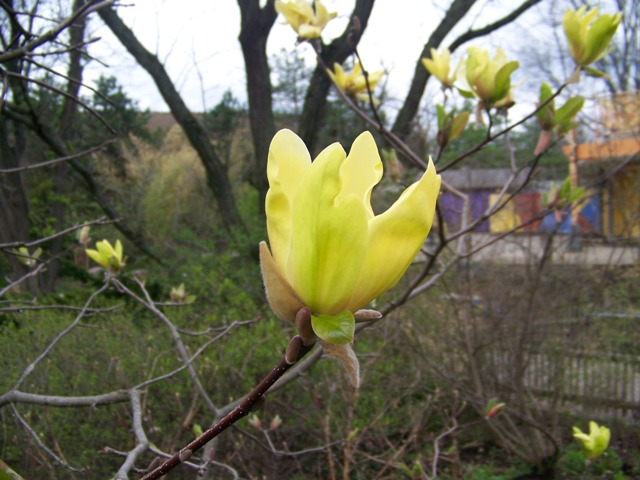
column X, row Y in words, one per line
column 452, row 209
column 451, row 206
column 479, row 205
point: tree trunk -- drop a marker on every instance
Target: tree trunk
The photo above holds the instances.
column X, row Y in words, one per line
column 402, row 125
column 217, row 178
column 14, row 203
column 315, row 102
column 256, row 25
column 68, row 129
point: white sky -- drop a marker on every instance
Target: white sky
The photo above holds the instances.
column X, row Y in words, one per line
column 200, row 49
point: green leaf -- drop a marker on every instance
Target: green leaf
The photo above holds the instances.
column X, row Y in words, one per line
column 465, row 93
column 600, row 35
column 442, row 115
column 338, row 329
column 545, row 92
column 570, row 109
column 418, row 471
column 546, row 114
column 503, row 80
column 594, row 72
column 458, row 125
column 404, row 469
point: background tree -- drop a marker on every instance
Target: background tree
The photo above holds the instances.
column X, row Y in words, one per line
column 216, row 173
column 456, row 12
column 171, row 349
column 290, row 82
column 256, row 23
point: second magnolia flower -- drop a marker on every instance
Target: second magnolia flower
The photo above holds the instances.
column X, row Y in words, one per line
column 329, row 251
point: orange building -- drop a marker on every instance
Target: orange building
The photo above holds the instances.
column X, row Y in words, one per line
column 616, row 160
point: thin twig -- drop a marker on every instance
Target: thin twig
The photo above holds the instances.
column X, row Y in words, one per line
column 78, row 226
column 55, row 161
column 242, row 410
column 148, row 303
column 59, row 337
column 42, row 446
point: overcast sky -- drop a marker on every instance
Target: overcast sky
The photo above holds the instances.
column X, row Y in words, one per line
column 200, row 49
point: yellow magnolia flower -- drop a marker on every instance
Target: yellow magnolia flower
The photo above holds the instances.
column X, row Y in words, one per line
column 589, row 36
column 354, row 84
column 306, row 20
column 108, row 257
column 439, row 65
column 329, row 251
column 488, row 79
column 596, row 442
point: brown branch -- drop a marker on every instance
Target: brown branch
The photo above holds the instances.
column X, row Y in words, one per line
column 242, row 410
column 51, row 34
column 57, row 160
column 66, row 95
column 99, row 221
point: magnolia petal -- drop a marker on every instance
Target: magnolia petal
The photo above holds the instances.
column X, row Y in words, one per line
column 296, row 12
column 362, row 170
column 502, row 82
column 600, row 35
column 395, row 237
column 329, row 232
column 105, row 249
column 345, row 355
column 288, row 162
column 282, row 298
column 340, row 77
column 309, row 31
column 322, row 14
column 96, row 257
column 118, row 250
column 571, row 28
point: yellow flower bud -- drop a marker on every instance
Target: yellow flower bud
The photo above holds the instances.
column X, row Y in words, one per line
column 108, row 257
column 589, row 37
column 439, row 65
column 354, row 84
column 488, row 79
column 307, row 21
column 596, row 442
column 329, row 251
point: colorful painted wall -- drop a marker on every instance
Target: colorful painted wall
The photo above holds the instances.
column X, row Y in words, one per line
column 622, row 204
column 524, row 208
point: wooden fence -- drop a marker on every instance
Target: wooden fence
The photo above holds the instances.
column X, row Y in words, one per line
column 596, row 382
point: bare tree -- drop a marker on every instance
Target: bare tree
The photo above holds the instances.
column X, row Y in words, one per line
column 456, row 12
column 217, row 178
column 256, row 24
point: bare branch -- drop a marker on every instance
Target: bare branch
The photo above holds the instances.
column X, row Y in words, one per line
column 51, row 34
column 99, row 221
column 141, row 436
column 242, row 410
column 41, row 445
column 59, row 337
column 17, row 396
column 56, row 160
column 148, row 303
